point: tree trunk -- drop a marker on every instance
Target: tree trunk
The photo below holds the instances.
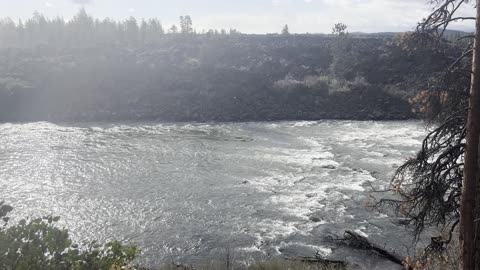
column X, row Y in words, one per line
column 470, row 182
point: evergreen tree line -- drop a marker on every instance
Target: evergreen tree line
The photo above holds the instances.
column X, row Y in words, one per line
column 84, row 30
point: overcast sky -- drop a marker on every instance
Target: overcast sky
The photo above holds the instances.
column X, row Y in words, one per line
column 248, row 16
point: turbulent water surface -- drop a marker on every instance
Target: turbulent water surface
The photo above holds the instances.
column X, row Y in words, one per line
column 186, row 192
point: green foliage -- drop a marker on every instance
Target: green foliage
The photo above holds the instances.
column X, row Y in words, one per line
column 4, row 210
column 39, row 244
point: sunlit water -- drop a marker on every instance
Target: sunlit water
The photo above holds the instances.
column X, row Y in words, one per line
column 187, row 192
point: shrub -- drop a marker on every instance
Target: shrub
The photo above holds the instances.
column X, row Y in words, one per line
column 39, row 244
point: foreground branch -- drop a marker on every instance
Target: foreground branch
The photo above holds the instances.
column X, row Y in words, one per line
column 354, row 240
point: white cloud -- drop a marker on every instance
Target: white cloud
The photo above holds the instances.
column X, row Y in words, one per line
column 252, row 16
column 318, row 16
column 82, row 2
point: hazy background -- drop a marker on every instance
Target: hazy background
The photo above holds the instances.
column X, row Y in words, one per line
column 248, row 16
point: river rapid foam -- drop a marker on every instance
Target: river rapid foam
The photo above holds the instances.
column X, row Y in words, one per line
column 187, row 192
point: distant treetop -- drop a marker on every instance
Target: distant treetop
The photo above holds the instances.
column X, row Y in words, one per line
column 285, row 30
column 339, row 29
column 84, row 30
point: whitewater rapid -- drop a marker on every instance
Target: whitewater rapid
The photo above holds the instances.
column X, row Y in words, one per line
column 188, row 192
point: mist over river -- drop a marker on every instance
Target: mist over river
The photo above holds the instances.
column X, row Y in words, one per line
column 186, row 192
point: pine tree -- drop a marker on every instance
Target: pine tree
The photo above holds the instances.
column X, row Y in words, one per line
column 186, row 25
column 174, row 29
column 285, row 30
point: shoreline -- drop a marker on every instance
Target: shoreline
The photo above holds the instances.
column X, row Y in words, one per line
column 169, row 121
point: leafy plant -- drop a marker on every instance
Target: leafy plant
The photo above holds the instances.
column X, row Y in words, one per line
column 40, row 244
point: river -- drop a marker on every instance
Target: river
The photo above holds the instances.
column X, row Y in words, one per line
column 188, row 192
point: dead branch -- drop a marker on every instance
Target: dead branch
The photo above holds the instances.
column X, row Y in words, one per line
column 354, row 240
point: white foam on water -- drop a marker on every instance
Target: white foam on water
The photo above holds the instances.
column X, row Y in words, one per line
column 379, row 161
column 271, row 230
column 323, row 193
column 305, row 123
column 313, row 142
column 376, row 154
column 299, row 172
column 367, row 136
column 321, row 250
column 361, row 232
column 252, row 249
column 299, row 157
column 295, row 204
column 271, row 182
column 301, row 195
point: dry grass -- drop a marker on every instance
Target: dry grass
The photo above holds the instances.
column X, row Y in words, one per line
column 273, row 264
column 278, row 264
column 448, row 260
